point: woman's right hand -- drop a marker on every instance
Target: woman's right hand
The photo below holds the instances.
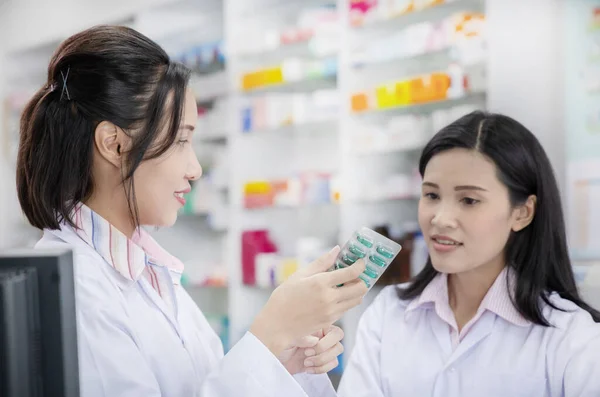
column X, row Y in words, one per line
column 308, row 301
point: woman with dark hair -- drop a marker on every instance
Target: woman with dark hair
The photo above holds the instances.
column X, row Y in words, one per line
column 495, row 311
column 105, row 148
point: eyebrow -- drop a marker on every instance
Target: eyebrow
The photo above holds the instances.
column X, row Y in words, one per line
column 187, row 127
column 457, row 188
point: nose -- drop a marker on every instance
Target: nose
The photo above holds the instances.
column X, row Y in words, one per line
column 444, row 217
column 194, row 168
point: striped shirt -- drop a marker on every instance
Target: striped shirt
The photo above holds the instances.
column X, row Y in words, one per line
column 135, row 258
column 497, row 300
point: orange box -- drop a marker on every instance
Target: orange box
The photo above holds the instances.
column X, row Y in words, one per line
column 359, row 102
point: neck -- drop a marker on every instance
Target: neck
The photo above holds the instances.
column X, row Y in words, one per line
column 112, row 208
column 467, row 290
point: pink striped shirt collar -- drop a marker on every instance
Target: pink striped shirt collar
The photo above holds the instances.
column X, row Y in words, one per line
column 129, row 257
column 497, row 300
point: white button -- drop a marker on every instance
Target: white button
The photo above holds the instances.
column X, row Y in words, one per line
column 452, row 369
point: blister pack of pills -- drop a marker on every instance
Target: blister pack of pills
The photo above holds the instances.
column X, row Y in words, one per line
column 376, row 250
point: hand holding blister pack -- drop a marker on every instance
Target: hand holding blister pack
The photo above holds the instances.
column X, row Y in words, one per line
column 376, row 250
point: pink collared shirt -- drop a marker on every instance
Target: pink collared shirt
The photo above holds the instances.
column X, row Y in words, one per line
column 497, row 300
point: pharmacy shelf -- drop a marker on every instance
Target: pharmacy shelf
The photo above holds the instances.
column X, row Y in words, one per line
column 429, row 14
column 424, row 61
column 379, row 200
column 389, row 150
column 425, row 108
column 299, row 207
column 305, row 49
column 217, row 139
column 293, row 130
column 275, row 8
column 301, row 86
column 209, row 87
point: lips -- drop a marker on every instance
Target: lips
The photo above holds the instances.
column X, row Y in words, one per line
column 445, row 241
column 180, row 195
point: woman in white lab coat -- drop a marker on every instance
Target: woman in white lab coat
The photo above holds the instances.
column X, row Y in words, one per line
column 495, row 311
column 106, row 146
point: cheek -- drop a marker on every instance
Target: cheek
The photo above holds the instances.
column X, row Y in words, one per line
column 488, row 232
column 152, row 191
column 425, row 214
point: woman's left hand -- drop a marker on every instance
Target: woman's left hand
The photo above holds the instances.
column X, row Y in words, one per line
column 314, row 354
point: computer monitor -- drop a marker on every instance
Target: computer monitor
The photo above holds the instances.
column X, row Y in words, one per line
column 38, row 331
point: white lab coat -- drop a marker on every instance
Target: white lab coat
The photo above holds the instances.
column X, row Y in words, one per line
column 407, row 356
column 129, row 347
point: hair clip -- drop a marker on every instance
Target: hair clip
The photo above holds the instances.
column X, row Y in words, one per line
column 64, row 87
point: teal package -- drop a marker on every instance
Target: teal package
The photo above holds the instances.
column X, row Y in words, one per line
column 377, row 251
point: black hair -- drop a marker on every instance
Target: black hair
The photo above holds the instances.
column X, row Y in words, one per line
column 105, row 73
column 538, row 253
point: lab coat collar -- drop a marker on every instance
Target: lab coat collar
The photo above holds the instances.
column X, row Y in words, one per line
column 497, row 300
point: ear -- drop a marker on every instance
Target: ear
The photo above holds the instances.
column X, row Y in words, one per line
column 110, row 142
column 524, row 214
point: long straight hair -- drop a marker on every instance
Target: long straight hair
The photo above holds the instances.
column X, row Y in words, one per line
column 538, row 253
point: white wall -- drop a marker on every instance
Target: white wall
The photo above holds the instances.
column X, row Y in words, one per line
column 34, row 22
column 526, row 69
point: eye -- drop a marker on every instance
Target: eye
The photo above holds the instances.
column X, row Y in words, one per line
column 182, row 142
column 469, row 201
column 431, row 196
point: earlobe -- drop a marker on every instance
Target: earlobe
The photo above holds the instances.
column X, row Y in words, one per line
column 108, row 143
column 525, row 214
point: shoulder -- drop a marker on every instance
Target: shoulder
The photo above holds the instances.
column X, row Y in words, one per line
column 95, row 285
column 570, row 325
column 388, row 301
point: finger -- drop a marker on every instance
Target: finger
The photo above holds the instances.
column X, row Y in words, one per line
column 324, row 368
column 325, row 357
column 352, row 290
column 319, row 334
column 346, row 274
column 323, row 263
column 348, row 304
column 309, row 341
column 333, row 337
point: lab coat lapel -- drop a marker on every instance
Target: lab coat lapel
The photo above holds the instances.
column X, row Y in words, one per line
column 481, row 330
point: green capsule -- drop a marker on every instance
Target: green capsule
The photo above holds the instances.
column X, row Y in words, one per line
column 364, row 240
column 357, row 251
column 339, row 264
column 349, row 259
column 377, row 260
column 385, row 252
column 370, row 272
column 366, row 280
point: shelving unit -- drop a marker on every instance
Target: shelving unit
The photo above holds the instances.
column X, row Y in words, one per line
column 276, row 148
column 389, row 126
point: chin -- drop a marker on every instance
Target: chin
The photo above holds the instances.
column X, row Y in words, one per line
column 444, row 266
column 165, row 221
column 170, row 221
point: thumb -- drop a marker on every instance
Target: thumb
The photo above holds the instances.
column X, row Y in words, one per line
column 323, row 263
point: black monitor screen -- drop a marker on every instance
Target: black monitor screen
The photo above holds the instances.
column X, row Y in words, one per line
column 38, row 331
